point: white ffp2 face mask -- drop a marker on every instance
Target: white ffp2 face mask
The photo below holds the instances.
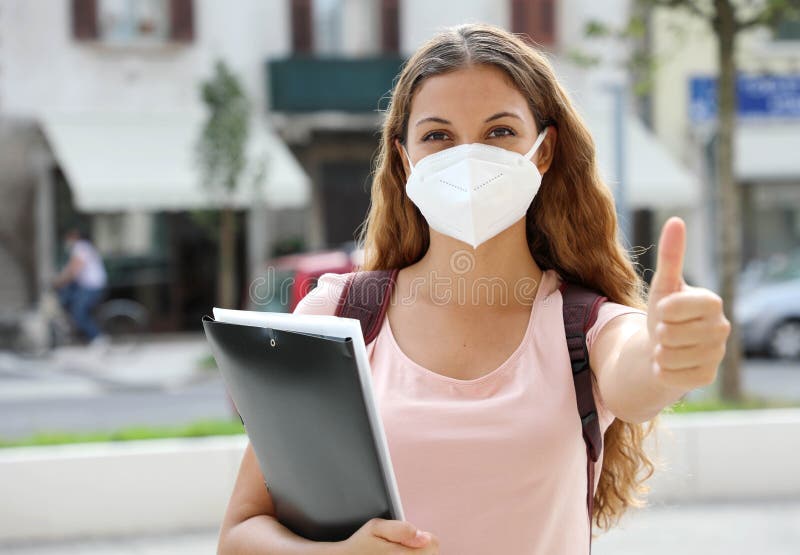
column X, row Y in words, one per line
column 474, row 191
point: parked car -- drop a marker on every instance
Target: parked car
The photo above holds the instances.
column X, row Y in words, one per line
column 768, row 307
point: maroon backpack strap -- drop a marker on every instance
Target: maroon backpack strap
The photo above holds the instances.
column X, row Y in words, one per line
column 366, row 297
column 580, row 312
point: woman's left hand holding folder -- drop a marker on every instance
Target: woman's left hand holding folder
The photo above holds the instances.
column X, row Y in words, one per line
column 383, row 537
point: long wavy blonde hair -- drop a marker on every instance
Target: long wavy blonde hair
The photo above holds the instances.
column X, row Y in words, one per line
column 571, row 223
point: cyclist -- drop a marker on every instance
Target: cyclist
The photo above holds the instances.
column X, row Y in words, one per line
column 82, row 283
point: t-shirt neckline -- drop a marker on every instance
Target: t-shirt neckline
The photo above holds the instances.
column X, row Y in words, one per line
column 546, row 282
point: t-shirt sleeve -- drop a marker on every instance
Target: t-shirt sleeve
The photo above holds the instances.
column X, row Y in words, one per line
column 322, row 300
column 80, row 251
column 607, row 312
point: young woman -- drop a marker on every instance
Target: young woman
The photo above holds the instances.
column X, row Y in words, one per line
column 474, row 386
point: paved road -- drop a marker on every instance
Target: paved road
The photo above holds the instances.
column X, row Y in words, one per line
column 115, row 409
column 709, row 529
column 79, row 390
column 771, row 378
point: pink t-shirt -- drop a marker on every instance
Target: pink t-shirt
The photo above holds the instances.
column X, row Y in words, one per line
column 495, row 464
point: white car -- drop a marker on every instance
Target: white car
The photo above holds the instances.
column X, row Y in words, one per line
column 768, row 308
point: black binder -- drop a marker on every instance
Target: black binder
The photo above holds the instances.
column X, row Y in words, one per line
column 304, row 400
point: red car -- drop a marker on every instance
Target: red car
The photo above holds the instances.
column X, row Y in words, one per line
column 287, row 279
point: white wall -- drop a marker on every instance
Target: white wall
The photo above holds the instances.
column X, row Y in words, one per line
column 588, row 86
column 421, row 19
column 43, row 68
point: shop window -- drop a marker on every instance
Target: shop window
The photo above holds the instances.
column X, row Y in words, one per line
column 123, row 233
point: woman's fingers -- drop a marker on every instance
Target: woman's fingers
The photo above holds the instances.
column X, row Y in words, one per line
column 399, row 531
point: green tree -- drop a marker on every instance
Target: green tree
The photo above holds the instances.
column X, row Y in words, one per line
column 221, row 152
column 727, row 19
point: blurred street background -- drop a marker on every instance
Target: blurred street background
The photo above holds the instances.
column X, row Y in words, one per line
column 117, row 123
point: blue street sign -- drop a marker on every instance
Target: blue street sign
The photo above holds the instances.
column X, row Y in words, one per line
column 759, row 96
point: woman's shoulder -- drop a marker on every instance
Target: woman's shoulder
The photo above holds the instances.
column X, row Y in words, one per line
column 608, row 310
column 324, row 297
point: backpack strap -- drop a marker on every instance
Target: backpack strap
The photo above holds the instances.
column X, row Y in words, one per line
column 580, row 313
column 366, row 297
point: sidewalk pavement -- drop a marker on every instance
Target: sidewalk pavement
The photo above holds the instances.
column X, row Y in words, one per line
column 709, row 529
column 167, row 362
column 161, row 362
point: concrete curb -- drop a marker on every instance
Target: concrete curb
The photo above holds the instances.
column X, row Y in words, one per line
column 723, row 456
column 121, row 488
column 176, row 484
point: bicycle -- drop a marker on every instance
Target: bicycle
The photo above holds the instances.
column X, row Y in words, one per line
column 123, row 321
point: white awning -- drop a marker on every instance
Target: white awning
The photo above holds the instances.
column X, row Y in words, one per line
column 655, row 179
column 147, row 161
column 767, row 151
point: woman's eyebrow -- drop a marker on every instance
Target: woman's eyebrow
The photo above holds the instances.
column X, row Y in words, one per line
column 433, row 118
column 498, row 115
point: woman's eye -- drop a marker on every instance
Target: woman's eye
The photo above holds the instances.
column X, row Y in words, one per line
column 501, row 132
column 435, row 136
column 494, row 133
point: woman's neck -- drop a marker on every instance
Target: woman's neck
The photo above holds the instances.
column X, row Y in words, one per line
column 499, row 272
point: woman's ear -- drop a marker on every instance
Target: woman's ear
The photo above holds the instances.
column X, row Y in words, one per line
column 547, row 150
column 399, row 146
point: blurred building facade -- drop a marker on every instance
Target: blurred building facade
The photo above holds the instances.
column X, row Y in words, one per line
column 106, row 94
column 767, row 141
column 101, row 100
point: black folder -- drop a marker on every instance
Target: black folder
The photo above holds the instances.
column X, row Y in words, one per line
column 304, row 400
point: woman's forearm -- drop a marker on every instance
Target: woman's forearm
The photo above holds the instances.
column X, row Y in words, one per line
column 262, row 535
column 641, row 394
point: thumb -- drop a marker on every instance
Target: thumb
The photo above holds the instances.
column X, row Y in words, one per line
column 669, row 267
column 401, row 532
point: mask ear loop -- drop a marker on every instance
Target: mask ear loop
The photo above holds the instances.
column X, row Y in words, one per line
column 538, row 142
column 410, row 165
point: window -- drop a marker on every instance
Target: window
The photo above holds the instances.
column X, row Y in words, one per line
column 123, row 233
column 336, row 27
column 788, row 29
column 125, row 22
column 327, row 27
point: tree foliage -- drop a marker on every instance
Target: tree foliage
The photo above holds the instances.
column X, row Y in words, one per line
column 223, row 141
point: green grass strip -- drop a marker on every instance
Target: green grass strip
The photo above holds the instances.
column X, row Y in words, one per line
column 201, row 428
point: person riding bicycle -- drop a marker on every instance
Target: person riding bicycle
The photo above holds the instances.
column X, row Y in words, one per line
column 81, row 283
